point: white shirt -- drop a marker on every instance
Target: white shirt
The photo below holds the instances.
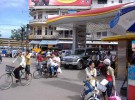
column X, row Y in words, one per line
column 20, row 60
column 56, row 61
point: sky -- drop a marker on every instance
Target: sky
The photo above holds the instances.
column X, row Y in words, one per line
column 13, row 15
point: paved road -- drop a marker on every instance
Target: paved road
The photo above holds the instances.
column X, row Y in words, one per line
column 66, row 87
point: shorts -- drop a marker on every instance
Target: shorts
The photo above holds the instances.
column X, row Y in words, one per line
column 27, row 69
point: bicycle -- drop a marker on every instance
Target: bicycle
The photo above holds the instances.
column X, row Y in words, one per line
column 6, row 80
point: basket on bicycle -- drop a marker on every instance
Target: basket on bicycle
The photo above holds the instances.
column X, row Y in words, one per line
column 9, row 68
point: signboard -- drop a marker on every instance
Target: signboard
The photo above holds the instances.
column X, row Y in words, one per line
column 81, row 38
column 133, row 45
column 59, row 3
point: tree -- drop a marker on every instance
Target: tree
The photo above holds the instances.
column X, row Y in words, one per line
column 0, row 35
column 19, row 34
column 1, row 42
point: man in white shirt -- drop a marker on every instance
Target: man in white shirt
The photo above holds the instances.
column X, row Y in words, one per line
column 55, row 63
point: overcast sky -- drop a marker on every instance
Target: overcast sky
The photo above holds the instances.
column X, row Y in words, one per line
column 13, row 15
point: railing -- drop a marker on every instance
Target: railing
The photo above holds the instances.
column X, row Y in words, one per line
column 43, row 36
column 37, row 21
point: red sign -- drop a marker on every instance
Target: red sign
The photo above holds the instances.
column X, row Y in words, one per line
column 59, row 3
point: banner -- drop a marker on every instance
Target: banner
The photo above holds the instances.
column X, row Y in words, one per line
column 59, row 3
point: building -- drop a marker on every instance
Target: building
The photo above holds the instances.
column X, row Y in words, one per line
column 61, row 35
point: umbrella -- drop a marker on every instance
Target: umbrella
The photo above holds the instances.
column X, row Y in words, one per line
column 124, row 21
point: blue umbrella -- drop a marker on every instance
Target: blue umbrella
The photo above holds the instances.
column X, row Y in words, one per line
column 124, row 21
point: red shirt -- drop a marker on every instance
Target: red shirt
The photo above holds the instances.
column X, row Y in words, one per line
column 109, row 78
column 39, row 58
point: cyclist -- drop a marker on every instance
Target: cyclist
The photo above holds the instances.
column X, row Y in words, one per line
column 91, row 75
column 27, row 68
column 22, row 63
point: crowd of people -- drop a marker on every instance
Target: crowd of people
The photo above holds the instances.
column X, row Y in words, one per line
column 53, row 63
column 107, row 69
column 52, row 59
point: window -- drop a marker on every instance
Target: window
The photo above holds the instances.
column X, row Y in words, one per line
column 34, row 31
column 35, row 17
column 120, row 1
column 39, row 31
column 45, row 30
column 40, row 16
column 66, row 33
column 104, row 33
column 51, row 32
column 98, row 34
column 102, row 1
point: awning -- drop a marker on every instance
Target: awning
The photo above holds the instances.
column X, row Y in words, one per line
column 128, row 36
column 65, row 42
column 48, row 42
column 124, row 21
column 101, row 42
column 34, row 42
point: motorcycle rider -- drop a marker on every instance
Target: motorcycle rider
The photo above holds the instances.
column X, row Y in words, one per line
column 91, row 75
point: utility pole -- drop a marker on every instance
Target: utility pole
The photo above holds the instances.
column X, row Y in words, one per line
column 22, row 33
column 27, row 32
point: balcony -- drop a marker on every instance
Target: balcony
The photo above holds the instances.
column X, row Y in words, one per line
column 38, row 21
column 43, row 36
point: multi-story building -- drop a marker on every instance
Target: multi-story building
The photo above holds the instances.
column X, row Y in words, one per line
column 41, row 10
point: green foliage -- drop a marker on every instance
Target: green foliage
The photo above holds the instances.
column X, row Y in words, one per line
column 1, row 42
column 19, row 34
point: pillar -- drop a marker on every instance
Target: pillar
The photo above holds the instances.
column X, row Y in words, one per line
column 74, row 45
column 122, row 59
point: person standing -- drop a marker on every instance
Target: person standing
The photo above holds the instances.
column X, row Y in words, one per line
column 4, row 52
column 108, row 72
column 0, row 58
column 27, row 68
column 39, row 60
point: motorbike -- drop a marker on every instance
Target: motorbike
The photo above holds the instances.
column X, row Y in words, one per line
column 93, row 93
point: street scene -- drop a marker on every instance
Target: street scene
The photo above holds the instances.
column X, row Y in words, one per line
column 67, row 50
column 67, row 86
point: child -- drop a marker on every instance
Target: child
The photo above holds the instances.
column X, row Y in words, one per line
column 0, row 58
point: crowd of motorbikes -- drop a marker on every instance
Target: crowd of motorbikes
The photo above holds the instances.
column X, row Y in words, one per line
column 46, row 72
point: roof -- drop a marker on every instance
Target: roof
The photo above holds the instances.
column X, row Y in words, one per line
column 85, row 15
column 128, row 36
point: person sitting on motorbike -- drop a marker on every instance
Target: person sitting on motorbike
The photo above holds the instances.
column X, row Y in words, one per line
column 91, row 75
column 55, row 64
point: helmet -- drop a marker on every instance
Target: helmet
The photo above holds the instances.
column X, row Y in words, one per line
column 107, row 61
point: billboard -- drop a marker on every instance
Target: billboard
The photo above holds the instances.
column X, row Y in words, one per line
column 59, row 3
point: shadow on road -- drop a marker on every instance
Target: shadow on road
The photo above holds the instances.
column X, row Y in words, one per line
column 65, row 85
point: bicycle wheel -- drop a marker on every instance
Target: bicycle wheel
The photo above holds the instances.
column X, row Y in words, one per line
column 6, row 81
column 36, row 74
column 93, row 98
column 24, row 80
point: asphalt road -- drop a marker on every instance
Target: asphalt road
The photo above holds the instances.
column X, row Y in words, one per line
column 66, row 87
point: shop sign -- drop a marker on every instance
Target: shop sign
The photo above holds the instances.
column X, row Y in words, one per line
column 131, row 72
